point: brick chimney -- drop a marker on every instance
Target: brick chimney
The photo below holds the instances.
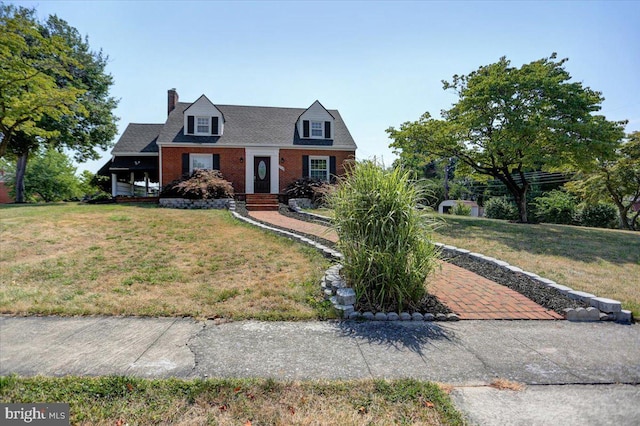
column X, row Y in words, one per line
column 172, row 100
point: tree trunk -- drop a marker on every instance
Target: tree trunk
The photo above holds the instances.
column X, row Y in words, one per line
column 623, row 212
column 521, row 201
column 21, row 169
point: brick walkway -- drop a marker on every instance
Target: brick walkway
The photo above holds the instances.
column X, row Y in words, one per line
column 465, row 293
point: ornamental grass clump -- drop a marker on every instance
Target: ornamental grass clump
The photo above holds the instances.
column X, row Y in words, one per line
column 384, row 237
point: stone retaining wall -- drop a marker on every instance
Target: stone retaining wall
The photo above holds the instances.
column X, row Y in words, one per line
column 183, row 203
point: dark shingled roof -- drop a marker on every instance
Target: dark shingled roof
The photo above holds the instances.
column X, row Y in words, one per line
column 243, row 126
column 254, row 126
column 138, row 138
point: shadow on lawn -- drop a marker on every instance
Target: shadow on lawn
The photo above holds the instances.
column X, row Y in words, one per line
column 413, row 336
column 577, row 243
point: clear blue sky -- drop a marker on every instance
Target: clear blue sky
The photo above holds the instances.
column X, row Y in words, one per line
column 379, row 63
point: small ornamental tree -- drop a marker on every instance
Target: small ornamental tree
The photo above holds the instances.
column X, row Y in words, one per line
column 384, row 238
column 201, row 185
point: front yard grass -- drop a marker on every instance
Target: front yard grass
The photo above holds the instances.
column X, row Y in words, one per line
column 604, row 262
column 126, row 400
column 74, row 259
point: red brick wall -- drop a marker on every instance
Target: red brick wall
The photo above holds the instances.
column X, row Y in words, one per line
column 230, row 166
column 234, row 171
column 4, row 194
column 293, row 163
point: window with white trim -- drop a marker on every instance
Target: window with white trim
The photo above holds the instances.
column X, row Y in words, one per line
column 200, row 161
column 319, row 168
column 202, row 125
column 316, row 129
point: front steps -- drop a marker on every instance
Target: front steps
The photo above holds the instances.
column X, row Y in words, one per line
column 262, row 202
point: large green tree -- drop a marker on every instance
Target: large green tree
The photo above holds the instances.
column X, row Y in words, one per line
column 509, row 120
column 54, row 90
column 616, row 180
column 51, row 176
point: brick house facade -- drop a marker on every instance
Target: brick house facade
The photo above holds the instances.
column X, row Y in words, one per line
column 257, row 149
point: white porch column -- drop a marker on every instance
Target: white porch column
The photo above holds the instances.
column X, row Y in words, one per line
column 114, row 184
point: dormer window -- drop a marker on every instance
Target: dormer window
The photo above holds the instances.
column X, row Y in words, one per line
column 202, row 126
column 316, row 129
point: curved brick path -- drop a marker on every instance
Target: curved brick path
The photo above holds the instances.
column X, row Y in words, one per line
column 467, row 294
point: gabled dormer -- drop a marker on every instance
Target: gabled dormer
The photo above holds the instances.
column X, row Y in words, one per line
column 203, row 118
column 316, row 123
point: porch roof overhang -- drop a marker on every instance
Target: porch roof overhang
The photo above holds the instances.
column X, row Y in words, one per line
column 134, row 164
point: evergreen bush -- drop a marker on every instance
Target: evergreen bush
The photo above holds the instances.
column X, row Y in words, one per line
column 600, row 215
column 556, row 207
column 500, row 208
column 461, row 209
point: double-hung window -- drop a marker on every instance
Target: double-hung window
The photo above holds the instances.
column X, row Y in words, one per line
column 202, row 125
column 200, row 161
column 319, row 168
column 316, row 129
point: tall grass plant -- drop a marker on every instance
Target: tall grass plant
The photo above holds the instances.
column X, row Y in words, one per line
column 385, row 238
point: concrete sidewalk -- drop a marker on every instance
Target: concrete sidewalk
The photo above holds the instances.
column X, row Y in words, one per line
column 565, row 365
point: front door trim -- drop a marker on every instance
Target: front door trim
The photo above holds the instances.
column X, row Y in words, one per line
column 250, row 155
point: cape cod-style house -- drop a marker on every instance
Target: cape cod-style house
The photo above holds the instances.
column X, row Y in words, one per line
column 260, row 150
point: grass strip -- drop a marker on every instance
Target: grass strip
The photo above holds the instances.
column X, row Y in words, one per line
column 122, row 400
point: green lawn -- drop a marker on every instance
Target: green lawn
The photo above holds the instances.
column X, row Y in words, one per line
column 132, row 401
column 78, row 259
column 604, row 262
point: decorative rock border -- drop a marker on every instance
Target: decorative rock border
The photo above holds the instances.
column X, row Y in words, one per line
column 601, row 309
column 295, row 203
column 327, row 251
column 335, row 289
column 184, row 203
column 343, row 299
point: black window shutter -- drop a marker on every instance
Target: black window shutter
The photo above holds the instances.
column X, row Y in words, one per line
column 216, row 161
column 332, row 168
column 327, row 130
column 305, row 128
column 185, row 163
column 305, row 166
column 190, row 124
column 214, row 125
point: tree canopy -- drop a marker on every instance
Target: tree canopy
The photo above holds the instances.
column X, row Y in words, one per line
column 616, row 180
column 509, row 120
column 54, row 90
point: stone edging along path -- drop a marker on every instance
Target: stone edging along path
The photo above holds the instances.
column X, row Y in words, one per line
column 343, row 298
